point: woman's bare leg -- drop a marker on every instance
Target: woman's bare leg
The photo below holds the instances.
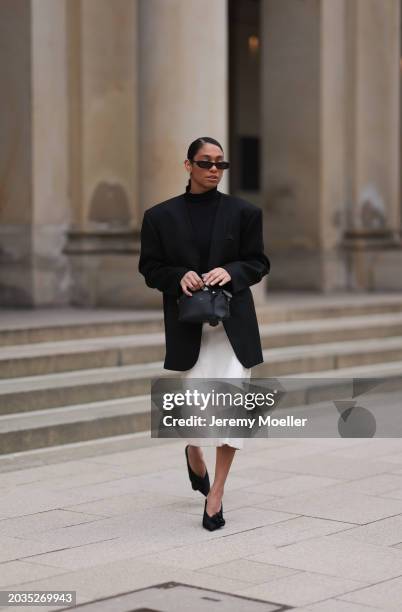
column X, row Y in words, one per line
column 196, row 460
column 224, row 458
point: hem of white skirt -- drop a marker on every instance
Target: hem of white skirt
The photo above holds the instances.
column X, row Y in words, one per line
column 215, row 442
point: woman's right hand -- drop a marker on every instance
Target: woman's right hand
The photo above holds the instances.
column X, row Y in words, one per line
column 192, row 281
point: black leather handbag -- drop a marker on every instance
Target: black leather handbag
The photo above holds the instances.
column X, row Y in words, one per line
column 207, row 305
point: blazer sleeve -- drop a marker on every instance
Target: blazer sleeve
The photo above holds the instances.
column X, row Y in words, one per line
column 253, row 264
column 152, row 263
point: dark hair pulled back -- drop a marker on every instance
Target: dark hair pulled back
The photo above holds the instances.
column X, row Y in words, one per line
column 195, row 146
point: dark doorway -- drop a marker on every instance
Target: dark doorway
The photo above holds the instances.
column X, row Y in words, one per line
column 244, row 96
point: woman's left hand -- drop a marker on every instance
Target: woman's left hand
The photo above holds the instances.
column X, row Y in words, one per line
column 217, row 275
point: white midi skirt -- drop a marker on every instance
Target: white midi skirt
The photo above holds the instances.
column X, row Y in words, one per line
column 217, row 359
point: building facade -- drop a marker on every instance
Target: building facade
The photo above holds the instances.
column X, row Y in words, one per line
column 101, row 98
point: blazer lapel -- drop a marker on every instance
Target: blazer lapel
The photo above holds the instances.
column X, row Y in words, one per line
column 188, row 237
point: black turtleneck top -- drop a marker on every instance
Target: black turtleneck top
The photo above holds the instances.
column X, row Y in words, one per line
column 202, row 209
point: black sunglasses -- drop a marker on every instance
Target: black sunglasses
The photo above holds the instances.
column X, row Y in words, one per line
column 203, row 163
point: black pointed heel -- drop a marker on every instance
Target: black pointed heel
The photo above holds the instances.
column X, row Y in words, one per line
column 212, row 522
column 221, row 515
column 197, row 482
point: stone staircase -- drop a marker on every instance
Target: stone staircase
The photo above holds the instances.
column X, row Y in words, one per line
column 72, row 376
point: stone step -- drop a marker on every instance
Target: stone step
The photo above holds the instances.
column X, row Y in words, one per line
column 315, row 331
column 54, row 325
column 44, row 428
column 329, row 356
column 120, row 417
column 71, row 355
column 77, row 387
column 69, row 328
column 296, row 307
column 33, row 393
column 53, row 357
column 72, row 451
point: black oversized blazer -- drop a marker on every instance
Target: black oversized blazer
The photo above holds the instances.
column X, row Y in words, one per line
column 168, row 251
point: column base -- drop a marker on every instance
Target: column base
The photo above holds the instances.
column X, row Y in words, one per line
column 34, row 272
column 104, row 270
column 305, row 270
column 374, row 260
column 359, row 263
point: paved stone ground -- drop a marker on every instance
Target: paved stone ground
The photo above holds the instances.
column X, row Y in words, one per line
column 315, row 524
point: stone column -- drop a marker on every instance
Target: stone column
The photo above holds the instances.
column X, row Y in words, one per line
column 400, row 108
column 103, row 113
column 183, row 95
column 34, row 204
column 330, row 111
column 183, row 89
column 290, row 141
column 372, row 239
column 333, row 172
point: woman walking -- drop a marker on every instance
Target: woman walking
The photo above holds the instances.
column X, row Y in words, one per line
column 205, row 237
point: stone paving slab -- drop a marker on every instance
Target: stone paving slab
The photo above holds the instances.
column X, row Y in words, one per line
column 233, row 500
column 301, row 588
column 14, row 573
column 108, row 579
column 248, row 571
column 329, row 466
column 35, row 498
column 382, row 485
column 291, row 485
column 394, row 494
column 282, row 532
column 340, row 605
column 385, row 532
column 12, row 549
column 385, row 595
column 89, row 450
column 388, row 449
column 58, row 471
column 335, row 505
column 173, row 596
column 127, row 504
column 31, row 525
column 397, row 460
column 142, row 526
column 86, row 479
column 274, row 451
column 302, row 529
column 338, row 555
